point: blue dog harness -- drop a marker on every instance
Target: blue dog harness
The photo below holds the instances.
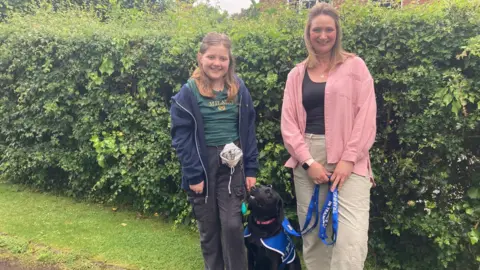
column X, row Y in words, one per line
column 281, row 243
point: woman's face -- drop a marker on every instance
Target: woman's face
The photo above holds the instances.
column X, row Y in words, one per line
column 323, row 34
column 214, row 62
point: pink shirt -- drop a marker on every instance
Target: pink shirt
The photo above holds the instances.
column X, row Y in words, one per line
column 350, row 116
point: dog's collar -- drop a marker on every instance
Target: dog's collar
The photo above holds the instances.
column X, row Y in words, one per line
column 266, row 222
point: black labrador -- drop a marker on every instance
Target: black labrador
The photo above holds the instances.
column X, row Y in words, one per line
column 264, row 226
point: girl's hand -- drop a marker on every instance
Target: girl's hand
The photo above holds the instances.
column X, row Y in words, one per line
column 198, row 188
column 250, row 182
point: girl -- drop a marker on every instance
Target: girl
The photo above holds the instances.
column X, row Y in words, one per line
column 214, row 108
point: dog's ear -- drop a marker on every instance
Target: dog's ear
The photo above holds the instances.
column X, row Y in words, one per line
column 250, row 201
column 279, row 205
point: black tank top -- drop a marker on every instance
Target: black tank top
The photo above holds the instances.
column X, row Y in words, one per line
column 313, row 99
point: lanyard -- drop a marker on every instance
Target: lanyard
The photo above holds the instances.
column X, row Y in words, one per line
column 330, row 206
column 312, row 210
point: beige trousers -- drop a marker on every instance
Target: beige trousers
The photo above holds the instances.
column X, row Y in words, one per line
column 351, row 247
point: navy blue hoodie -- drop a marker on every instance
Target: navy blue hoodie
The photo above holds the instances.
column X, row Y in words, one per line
column 188, row 136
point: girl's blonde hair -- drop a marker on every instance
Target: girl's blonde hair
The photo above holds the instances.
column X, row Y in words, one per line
column 201, row 79
column 338, row 54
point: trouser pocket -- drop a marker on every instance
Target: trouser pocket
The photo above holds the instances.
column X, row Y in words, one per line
column 198, row 205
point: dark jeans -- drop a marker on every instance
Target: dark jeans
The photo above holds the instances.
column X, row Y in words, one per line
column 220, row 218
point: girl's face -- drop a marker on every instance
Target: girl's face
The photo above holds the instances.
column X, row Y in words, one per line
column 323, row 34
column 214, row 62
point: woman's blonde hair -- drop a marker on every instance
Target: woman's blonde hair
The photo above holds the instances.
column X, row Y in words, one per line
column 202, row 80
column 339, row 55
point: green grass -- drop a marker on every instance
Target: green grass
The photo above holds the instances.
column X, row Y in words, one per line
column 22, row 252
column 76, row 230
column 44, row 229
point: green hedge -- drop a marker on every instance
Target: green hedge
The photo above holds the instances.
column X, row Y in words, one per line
column 84, row 111
column 102, row 8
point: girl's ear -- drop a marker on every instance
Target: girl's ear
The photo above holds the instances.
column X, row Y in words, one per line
column 199, row 58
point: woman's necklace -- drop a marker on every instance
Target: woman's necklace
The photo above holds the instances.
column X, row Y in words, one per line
column 324, row 73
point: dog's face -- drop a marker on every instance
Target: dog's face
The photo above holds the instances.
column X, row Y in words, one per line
column 264, row 203
column 265, row 221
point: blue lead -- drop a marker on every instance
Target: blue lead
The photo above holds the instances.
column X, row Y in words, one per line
column 330, row 206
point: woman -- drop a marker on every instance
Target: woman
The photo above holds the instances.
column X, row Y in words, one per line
column 214, row 108
column 328, row 126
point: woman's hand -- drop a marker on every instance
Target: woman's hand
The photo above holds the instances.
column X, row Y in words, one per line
column 343, row 170
column 250, row 182
column 198, row 188
column 318, row 173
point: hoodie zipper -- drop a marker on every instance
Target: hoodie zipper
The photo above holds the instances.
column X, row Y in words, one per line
column 198, row 151
column 241, row 146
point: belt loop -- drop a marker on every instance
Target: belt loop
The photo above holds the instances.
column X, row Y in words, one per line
column 308, row 139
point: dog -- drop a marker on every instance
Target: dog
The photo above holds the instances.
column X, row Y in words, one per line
column 268, row 244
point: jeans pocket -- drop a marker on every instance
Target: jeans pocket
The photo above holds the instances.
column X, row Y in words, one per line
column 363, row 179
